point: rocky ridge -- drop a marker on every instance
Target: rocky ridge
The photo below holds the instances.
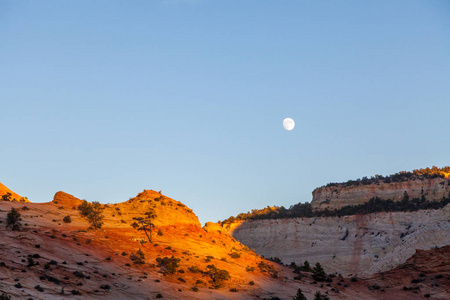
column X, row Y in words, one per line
column 340, row 195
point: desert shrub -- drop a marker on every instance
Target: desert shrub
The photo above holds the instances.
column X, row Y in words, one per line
column 181, row 279
column 25, row 208
column 105, row 286
column 268, row 268
column 67, row 219
column 31, row 262
column 251, row 282
column 194, row 269
column 160, row 233
column 135, row 225
column 7, row 197
column 194, row 288
column 276, row 260
column 79, row 274
column 234, row 254
column 75, row 292
column 234, row 290
column 353, row 279
column 5, row 296
column 138, row 258
column 18, row 285
column 39, row 288
column 217, row 276
column 169, row 265
column 13, row 220
column 319, row 273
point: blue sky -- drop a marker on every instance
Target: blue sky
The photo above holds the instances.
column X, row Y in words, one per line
column 103, row 99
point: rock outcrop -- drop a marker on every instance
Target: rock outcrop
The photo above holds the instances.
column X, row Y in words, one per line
column 358, row 244
column 167, row 210
column 13, row 196
column 339, row 195
column 66, row 200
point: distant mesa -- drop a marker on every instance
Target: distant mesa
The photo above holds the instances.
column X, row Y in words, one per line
column 432, row 184
column 7, row 195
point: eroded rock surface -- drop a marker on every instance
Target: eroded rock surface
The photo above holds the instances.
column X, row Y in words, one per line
column 359, row 244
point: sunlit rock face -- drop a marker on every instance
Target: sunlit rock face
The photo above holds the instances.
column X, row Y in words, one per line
column 335, row 197
column 13, row 196
column 359, row 244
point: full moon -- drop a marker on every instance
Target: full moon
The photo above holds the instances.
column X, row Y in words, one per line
column 288, row 124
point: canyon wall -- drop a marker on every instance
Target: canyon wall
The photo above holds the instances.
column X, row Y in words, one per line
column 351, row 245
column 337, row 196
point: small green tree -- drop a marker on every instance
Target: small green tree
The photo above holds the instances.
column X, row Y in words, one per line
column 319, row 273
column 95, row 217
column 13, row 220
column 299, row 295
column 146, row 223
column 306, row 267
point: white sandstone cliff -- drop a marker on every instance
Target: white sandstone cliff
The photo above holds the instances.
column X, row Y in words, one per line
column 351, row 245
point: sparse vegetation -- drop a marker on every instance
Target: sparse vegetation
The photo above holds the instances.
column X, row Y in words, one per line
column 67, row 219
column 270, row 269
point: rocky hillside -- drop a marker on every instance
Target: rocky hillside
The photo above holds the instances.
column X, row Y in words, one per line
column 56, row 255
column 335, row 197
column 10, row 195
column 358, row 244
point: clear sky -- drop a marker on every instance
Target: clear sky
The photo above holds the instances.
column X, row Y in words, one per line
column 102, row 99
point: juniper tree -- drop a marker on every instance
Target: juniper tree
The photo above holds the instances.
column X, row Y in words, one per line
column 299, row 295
column 13, row 220
column 95, row 217
column 319, row 273
column 146, row 223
